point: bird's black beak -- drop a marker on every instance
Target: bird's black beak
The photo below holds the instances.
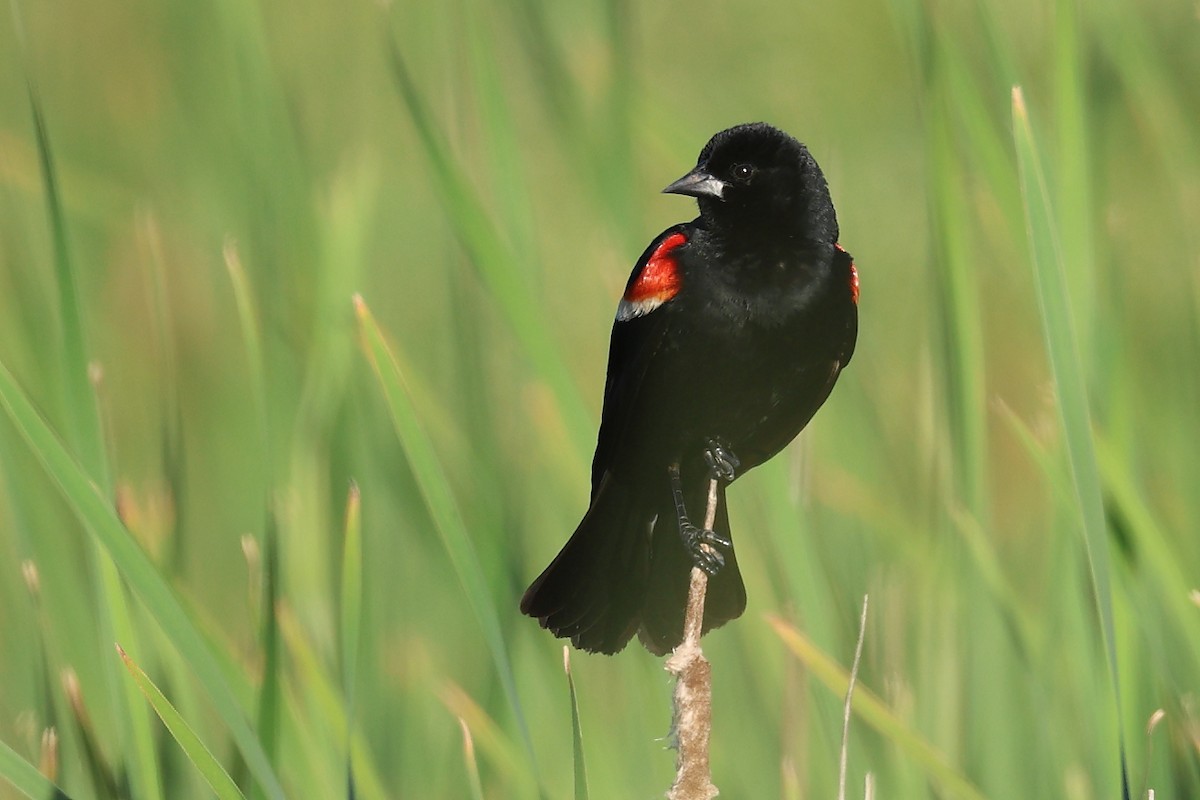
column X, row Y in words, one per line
column 698, row 183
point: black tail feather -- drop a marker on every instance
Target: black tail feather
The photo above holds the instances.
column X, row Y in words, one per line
column 617, row 575
column 594, row 589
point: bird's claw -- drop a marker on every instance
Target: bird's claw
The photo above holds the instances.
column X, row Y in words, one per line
column 722, row 464
column 702, row 544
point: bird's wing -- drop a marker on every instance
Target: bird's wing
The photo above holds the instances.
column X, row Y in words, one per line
column 637, row 335
column 818, row 374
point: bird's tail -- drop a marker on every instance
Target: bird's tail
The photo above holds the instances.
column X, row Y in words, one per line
column 594, row 589
column 625, row 570
column 669, row 580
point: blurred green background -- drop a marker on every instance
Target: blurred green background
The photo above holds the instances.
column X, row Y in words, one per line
column 212, row 183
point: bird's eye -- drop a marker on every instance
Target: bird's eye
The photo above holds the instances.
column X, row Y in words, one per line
column 742, row 172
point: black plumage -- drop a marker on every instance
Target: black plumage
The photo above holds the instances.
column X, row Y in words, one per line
column 733, row 330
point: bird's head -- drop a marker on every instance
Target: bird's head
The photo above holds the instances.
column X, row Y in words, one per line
column 754, row 176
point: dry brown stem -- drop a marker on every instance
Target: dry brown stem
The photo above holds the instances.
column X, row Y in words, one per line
column 692, row 722
column 858, row 648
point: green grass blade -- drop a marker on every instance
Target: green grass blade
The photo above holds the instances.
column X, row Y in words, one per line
column 872, row 710
column 25, row 778
column 93, row 510
column 443, row 507
column 351, row 606
column 188, row 741
column 1067, row 366
column 581, row 784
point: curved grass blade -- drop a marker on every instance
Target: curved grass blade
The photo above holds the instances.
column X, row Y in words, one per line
column 581, row 785
column 471, row 764
column 94, row 511
column 872, row 710
column 188, row 741
column 25, row 778
column 491, row 741
column 442, row 505
column 1067, row 366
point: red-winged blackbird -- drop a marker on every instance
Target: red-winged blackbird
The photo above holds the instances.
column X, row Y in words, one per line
column 730, row 335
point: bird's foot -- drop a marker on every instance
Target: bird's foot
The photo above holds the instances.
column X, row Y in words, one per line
column 702, row 545
column 722, row 464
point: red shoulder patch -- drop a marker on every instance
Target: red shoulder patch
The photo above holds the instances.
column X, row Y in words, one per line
column 657, row 283
column 853, row 276
column 659, row 279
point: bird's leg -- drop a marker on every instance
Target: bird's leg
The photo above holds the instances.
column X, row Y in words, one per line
column 722, row 464
column 701, row 543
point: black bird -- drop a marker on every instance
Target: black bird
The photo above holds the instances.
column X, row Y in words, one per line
column 730, row 335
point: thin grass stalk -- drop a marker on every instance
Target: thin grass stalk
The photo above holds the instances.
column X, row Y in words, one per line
column 491, row 741
column 873, row 711
column 351, row 620
column 845, row 748
column 580, row 766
